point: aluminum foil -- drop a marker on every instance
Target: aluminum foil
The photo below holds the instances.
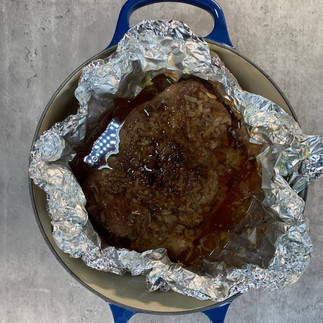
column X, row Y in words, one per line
column 271, row 246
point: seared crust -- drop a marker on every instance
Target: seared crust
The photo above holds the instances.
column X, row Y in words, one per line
column 170, row 172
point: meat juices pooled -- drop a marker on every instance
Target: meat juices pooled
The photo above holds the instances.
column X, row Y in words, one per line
column 183, row 176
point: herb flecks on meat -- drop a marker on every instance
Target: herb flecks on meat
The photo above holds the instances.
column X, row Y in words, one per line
column 183, row 175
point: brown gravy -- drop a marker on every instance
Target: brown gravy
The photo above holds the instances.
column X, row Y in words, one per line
column 236, row 184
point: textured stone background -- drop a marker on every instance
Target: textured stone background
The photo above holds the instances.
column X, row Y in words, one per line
column 41, row 43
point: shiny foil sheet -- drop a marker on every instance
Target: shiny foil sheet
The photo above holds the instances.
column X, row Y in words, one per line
column 270, row 250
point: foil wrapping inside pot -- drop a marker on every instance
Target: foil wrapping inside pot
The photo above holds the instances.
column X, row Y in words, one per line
column 269, row 248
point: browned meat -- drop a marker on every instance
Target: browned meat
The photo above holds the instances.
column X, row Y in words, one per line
column 179, row 155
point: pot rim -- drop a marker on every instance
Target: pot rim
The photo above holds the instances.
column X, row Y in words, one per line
column 104, row 53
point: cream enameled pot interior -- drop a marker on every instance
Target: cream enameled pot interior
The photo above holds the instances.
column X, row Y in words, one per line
column 128, row 291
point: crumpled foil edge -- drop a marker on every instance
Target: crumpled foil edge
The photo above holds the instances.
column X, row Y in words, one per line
column 293, row 161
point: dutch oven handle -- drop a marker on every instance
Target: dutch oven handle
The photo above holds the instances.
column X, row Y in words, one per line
column 218, row 34
column 215, row 314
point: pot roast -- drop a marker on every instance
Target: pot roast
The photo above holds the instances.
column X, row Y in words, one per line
column 183, row 173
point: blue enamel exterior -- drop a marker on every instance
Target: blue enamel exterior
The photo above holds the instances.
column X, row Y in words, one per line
column 120, row 314
column 218, row 34
column 216, row 314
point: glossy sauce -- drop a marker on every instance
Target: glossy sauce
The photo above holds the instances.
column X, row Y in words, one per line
column 123, row 106
column 230, row 204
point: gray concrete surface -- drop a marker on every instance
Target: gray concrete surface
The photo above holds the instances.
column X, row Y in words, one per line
column 41, row 42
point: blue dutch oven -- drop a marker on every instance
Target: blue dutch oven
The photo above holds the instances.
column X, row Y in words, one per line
column 126, row 295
